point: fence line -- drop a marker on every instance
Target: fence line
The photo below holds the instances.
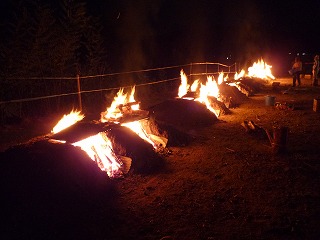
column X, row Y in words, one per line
column 78, row 78
column 84, row 91
column 121, row 73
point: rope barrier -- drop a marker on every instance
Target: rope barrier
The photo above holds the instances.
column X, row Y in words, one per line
column 104, row 75
column 120, row 73
column 86, row 91
column 135, row 71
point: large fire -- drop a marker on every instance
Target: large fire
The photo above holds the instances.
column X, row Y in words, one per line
column 210, row 90
column 124, row 110
column 259, row 69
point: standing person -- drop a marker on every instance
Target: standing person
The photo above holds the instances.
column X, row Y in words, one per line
column 315, row 70
column 296, row 71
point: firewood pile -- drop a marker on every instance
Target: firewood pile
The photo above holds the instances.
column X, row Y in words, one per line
column 252, row 128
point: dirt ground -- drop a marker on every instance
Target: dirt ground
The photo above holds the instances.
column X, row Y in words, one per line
column 226, row 184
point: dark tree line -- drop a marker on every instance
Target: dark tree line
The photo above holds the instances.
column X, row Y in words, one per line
column 43, row 39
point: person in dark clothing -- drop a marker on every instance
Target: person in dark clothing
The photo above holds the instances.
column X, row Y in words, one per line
column 315, row 70
column 296, row 71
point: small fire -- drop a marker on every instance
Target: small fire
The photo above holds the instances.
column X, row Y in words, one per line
column 114, row 112
column 126, row 104
column 210, row 89
column 222, row 78
column 137, row 127
column 239, row 75
column 184, row 86
column 67, row 121
column 195, row 85
column 259, row 69
column 99, row 149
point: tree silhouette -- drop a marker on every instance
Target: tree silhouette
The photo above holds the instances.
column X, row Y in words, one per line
column 49, row 39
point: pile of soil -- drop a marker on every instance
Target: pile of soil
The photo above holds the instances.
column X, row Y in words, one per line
column 226, row 183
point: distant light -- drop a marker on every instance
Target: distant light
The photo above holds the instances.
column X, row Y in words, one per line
column 303, row 53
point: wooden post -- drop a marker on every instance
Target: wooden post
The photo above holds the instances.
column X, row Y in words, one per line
column 280, row 135
column 206, row 69
column 191, row 72
column 79, row 92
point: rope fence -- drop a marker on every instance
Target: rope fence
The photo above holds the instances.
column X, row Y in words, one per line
column 192, row 70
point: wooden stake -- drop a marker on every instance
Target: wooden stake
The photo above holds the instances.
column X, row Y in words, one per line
column 79, row 92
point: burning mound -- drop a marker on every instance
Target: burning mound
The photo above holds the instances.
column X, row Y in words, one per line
column 45, row 186
column 42, row 167
column 127, row 143
column 174, row 136
column 183, row 113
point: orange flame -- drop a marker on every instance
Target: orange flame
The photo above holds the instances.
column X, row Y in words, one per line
column 99, row 149
column 67, row 120
column 210, row 89
column 259, row 69
column 239, row 75
column 113, row 113
column 184, row 86
column 195, row 85
column 222, row 78
column 137, row 127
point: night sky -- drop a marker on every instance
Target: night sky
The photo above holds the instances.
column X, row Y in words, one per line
column 141, row 33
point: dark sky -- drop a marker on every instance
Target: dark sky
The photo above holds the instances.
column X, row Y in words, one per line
column 197, row 30
column 143, row 33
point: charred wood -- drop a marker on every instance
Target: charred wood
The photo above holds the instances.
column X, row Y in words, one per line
column 246, row 90
column 175, row 136
column 125, row 142
column 218, row 105
column 182, row 114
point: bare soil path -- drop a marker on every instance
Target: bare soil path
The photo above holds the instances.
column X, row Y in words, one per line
column 226, row 184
